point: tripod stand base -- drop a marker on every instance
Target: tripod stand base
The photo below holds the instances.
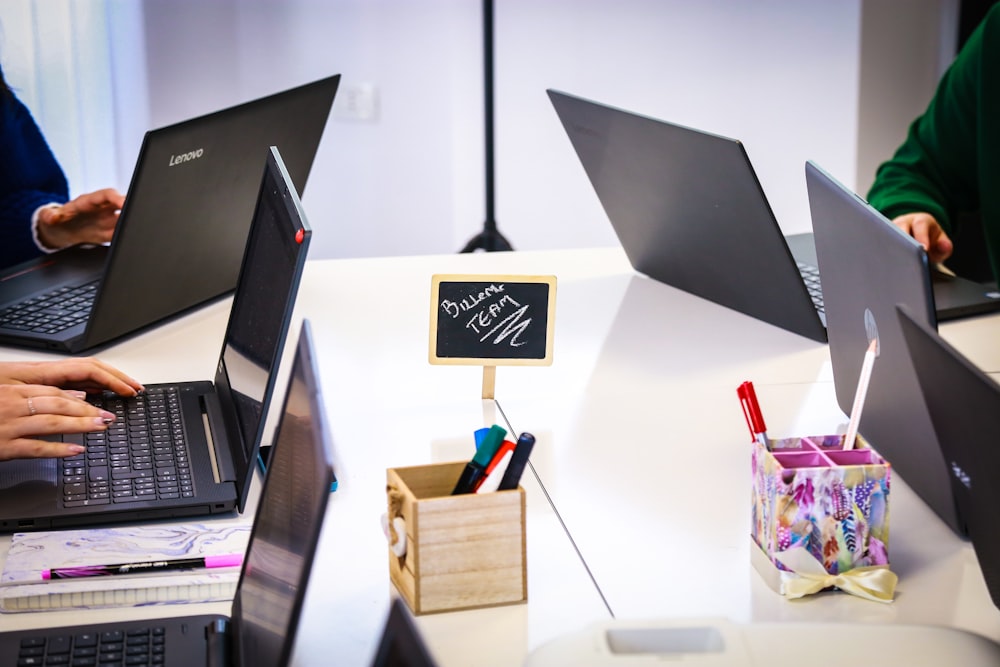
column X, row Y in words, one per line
column 488, row 240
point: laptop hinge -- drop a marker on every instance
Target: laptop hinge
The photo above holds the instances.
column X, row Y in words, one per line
column 215, row 432
column 217, row 643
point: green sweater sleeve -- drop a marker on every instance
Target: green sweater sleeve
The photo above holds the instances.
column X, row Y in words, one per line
column 935, row 169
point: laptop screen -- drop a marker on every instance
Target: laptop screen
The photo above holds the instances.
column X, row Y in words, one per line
column 288, row 521
column 262, row 304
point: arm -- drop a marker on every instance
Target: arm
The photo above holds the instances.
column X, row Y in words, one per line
column 935, row 170
column 30, row 177
column 16, row 208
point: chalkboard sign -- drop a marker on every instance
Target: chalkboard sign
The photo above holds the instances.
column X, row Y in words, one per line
column 492, row 320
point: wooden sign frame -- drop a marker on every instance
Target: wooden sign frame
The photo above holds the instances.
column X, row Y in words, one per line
column 488, row 302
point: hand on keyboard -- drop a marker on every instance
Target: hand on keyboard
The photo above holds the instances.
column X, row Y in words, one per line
column 88, row 374
column 28, row 412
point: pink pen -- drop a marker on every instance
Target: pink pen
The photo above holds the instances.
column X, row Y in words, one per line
column 207, row 562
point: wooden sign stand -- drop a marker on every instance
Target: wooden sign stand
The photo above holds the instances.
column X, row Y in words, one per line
column 492, row 320
column 489, row 381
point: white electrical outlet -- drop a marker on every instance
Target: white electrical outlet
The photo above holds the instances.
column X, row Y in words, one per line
column 357, row 101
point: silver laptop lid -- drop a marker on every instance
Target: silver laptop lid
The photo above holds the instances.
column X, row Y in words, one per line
column 868, row 266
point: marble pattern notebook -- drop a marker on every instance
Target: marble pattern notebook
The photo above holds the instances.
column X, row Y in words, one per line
column 23, row 589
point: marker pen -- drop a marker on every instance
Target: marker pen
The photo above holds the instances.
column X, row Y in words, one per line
column 475, row 469
column 207, row 562
column 512, row 477
column 492, row 480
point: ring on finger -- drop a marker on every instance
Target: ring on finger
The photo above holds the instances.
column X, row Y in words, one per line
column 31, row 407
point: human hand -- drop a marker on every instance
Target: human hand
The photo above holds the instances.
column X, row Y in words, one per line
column 90, row 218
column 28, row 411
column 928, row 233
column 87, row 374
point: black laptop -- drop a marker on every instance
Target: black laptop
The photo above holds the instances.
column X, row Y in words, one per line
column 185, row 449
column 964, row 407
column 401, row 644
column 181, row 234
column 268, row 602
column 689, row 212
column 868, row 265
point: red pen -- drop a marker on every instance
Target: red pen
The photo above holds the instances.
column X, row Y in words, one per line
column 752, row 413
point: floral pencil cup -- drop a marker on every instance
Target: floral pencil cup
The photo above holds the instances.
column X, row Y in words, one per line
column 820, row 517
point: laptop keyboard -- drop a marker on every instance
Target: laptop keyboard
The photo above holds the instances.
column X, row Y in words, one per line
column 51, row 312
column 810, row 275
column 142, row 646
column 142, row 456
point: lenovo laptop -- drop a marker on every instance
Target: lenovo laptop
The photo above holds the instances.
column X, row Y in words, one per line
column 868, row 266
column 185, row 449
column 689, row 212
column 964, row 407
column 181, row 234
column 262, row 627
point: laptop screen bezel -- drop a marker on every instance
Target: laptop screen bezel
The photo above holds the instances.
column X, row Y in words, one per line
column 304, row 370
column 244, row 443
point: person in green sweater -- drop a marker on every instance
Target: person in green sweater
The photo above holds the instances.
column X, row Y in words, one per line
column 949, row 164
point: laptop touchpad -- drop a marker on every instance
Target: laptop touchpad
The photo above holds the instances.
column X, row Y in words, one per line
column 28, row 471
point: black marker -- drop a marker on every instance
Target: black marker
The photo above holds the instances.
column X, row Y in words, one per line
column 522, row 451
column 475, row 469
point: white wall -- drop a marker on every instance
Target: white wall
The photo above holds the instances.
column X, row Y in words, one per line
column 50, row 55
column 903, row 56
column 781, row 75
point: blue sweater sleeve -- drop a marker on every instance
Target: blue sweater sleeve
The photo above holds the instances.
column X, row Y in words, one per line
column 30, row 176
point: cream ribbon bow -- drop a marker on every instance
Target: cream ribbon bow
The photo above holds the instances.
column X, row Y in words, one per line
column 808, row 576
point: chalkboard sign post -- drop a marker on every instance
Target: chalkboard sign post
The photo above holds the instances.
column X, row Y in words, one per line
column 492, row 320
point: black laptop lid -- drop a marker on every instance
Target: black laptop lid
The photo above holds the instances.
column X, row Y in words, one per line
column 867, row 266
column 689, row 211
column 261, row 312
column 964, row 406
column 288, row 523
column 183, row 229
column 401, row 644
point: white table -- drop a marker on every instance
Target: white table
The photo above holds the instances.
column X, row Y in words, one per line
column 641, row 448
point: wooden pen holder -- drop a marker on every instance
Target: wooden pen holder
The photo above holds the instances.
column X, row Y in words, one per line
column 462, row 552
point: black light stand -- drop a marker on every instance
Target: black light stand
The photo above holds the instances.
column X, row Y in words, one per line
column 490, row 239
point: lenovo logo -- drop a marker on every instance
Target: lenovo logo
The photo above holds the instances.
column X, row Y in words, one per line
column 186, row 157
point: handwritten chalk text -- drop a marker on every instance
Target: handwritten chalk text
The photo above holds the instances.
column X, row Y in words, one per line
column 470, row 302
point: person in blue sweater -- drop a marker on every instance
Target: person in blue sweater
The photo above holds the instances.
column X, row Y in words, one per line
column 36, row 214
column 44, row 398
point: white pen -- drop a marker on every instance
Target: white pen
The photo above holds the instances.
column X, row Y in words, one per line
column 492, row 481
column 859, row 395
